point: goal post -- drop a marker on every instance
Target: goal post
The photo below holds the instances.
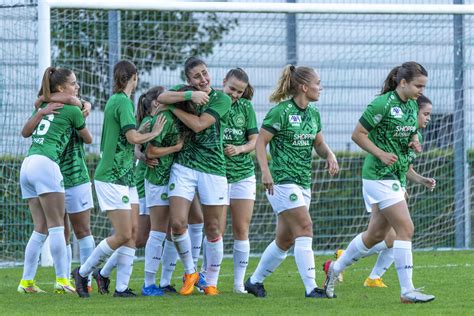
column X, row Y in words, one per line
column 353, row 47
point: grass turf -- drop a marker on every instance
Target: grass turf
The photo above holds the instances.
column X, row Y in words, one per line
column 448, row 275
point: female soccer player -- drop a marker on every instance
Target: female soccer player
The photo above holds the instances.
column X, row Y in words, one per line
column 385, row 131
column 113, row 177
column 41, row 180
column 385, row 258
column 293, row 129
column 140, row 215
column 77, row 185
column 240, row 135
column 199, row 165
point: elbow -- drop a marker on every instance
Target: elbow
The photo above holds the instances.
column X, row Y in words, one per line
column 197, row 129
column 25, row 134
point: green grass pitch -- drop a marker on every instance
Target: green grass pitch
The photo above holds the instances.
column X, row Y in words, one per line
column 449, row 275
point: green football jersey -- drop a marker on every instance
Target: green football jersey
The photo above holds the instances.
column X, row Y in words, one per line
column 205, row 153
column 391, row 124
column 73, row 162
column 140, row 168
column 294, row 130
column 239, row 124
column 411, row 158
column 160, row 174
column 54, row 131
column 116, row 153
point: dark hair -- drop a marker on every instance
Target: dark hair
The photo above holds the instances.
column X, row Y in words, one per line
column 145, row 100
column 123, row 72
column 422, row 101
column 290, row 80
column 192, row 62
column 52, row 78
column 187, row 106
column 241, row 75
column 408, row 71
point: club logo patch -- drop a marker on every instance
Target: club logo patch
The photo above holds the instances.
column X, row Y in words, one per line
column 239, row 120
column 172, row 186
column 396, row 112
column 293, row 197
column 164, row 196
column 125, row 199
column 395, row 187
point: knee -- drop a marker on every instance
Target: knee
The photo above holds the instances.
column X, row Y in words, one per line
column 178, row 227
column 306, row 229
column 212, row 230
column 141, row 240
column 124, row 237
column 240, row 233
column 284, row 243
column 82, row 232
column 407, row 231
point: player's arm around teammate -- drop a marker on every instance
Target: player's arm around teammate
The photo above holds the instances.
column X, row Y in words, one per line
column 41, row 180
column 292, row 128
column 199, row 165
column 113, row 179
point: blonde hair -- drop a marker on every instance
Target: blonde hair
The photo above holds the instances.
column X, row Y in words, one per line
column 290, row 80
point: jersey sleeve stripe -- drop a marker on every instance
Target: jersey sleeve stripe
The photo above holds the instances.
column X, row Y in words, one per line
column 366, row 124
column 81, row 127
column 213, row 113
column 252, row 131
column 126, row 128
column 269, row 129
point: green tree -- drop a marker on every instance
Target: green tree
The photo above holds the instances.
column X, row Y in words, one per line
column 150, row 39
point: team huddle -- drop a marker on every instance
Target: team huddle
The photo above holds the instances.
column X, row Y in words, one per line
column 169, row 171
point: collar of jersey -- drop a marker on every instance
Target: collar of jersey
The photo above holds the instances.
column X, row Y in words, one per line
column 398, row 97
column 299, row 108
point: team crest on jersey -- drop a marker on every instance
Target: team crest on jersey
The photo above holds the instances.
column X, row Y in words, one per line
column 395, row 187
column 293, row 197
column 172, row 185
column 125, row 199
column 239, row 120
column 396, row 112
column 294, row 119
column 164, row 196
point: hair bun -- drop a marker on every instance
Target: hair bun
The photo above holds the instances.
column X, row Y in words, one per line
column 292, row 68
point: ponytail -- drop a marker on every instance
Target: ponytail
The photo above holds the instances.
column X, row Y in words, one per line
column 290, row 80
column 52, row 78
column 145, row 101
column 407, row 71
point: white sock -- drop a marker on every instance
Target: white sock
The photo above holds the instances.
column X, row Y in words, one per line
column 404, row 264
column 352, row 254
column 214, row 253
column 204, row 260
column 168, row 263
column 32, row 254
column 97, row 256
column 195, row 234
column 384, row 261
column 69, row 259
column 271, row 258
column 183, row 246
column 241, row 261
column 153, row 252
column 57, row 246
column 124, row 267
column 377, row 248
column 109, row 265
column 304, row 258
column 86, row 246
